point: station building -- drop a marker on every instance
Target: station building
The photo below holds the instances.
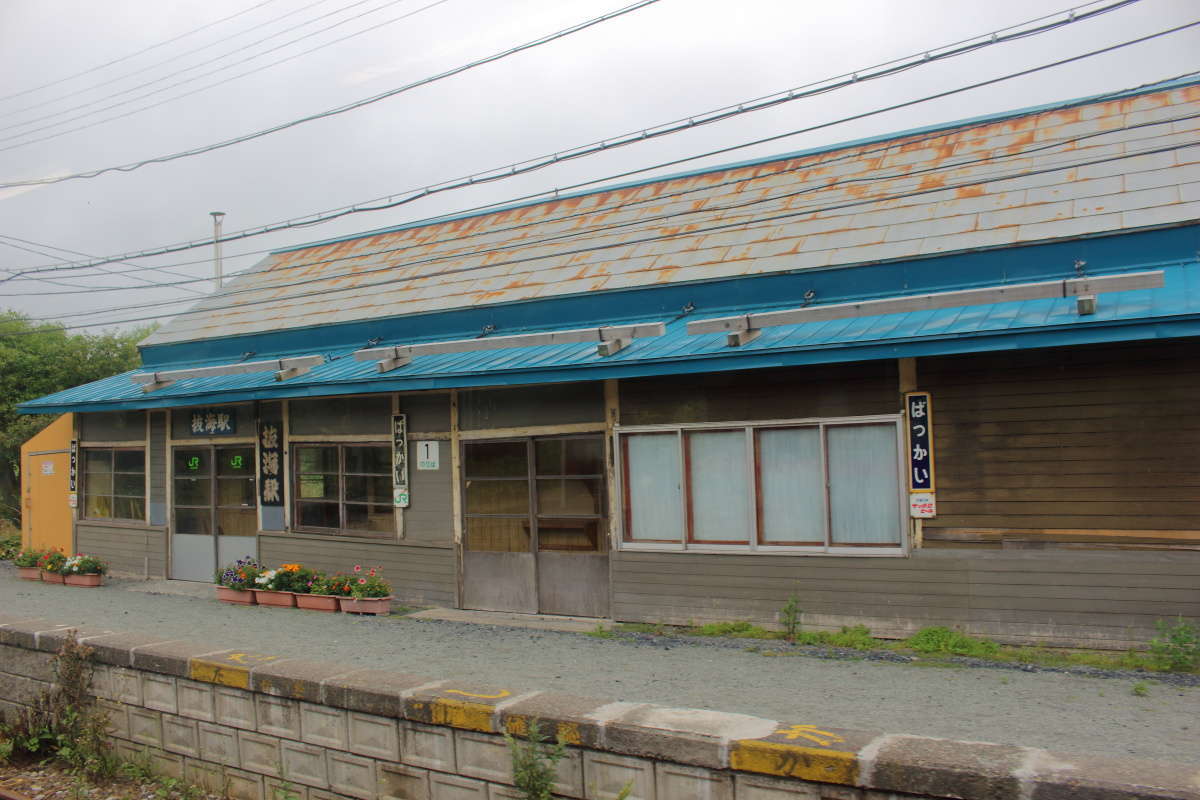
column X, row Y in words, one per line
column 943, row 377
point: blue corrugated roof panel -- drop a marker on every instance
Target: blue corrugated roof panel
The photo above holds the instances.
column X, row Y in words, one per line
column 1039, row 323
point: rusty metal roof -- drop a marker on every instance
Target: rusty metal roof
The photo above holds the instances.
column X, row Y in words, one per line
column 1086, row 169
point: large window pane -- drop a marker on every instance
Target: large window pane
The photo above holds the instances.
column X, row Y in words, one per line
column 235, row 461
column 237, row 522
column 97, row 506
column 192, row 462
column 318, row 515
column 497, row 497
column 129, row 485
column 129, row 461
column 495, row 460
column 98, row 483
column 97, row 461
column 570, row 456
column 369, row 488
column 864, row 484
column 498, row 534
column 193, row 520
column 235, row 492
column 580, row 535
column 655, row 497
column 720, row 486
column 193, row 491
column 132, row 508
column 317, row 459
column 375, row 518
column 792, row 485
column 570, row 496
column 318, row 487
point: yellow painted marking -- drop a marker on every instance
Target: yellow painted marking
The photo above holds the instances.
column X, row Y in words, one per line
column 461, row 714
column 249, row 658
column 216, row 672
column 810, row 732
column 794, row 761
column 565, row 732
column 503, row 693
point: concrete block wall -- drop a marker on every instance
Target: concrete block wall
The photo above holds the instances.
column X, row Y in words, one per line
column 261, row 727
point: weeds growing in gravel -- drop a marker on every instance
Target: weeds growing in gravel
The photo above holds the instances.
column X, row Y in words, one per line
column 1177, row 647
column 535, row 762
column 789, row 618
column 1140, row 689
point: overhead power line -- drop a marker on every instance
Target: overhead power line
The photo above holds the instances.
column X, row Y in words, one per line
column 144, row 50
column 514, row 170
column 759, row 222
column 541, row 40
column 151, row 284
column 463, row 239
column 390, row 202
column 203, row 75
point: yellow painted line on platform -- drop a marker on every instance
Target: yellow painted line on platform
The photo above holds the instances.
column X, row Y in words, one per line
column 566, row 732
column 794, row 761
column 501, row 694
column 232, row 669
column 461, row 714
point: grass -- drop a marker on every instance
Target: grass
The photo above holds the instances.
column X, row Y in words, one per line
column 933, row 646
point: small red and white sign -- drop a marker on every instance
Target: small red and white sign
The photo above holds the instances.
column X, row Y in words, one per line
column 922, row 505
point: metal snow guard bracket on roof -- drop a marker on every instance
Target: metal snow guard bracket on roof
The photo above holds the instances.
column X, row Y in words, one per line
column 609, row 339
column 745, row 327
column 283, row 368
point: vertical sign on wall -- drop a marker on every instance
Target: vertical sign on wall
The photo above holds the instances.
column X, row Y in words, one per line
column 73, row 475
column 918, row 408
column 400, row 460
column 270, row 461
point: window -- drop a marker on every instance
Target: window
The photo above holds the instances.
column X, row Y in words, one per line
column 821, row 485
column 344, row 489
column 214, row 491
column 551, row 488
column 114, row 483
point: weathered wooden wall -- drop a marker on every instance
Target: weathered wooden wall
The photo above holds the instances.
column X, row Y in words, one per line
column 1094, row 599
column 1097, row 444
column 129, row 549
column 420, row 575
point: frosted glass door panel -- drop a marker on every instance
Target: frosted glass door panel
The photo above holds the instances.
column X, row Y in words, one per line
column 655, row 497
column 864, row 484
column 720, row 486
column 793, row 495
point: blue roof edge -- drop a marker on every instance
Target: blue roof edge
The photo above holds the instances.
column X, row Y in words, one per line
column 1159, row 86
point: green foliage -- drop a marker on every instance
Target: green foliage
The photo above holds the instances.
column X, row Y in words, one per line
column 27, row 558
column 601, row 632
column 82, row 564
column 1177, row 647
column 284, row 791
column 737, row 630
column 1140, row 689
column 52, row 561
column 789, row 618
column 239, row 575
column 62, row 722
column 38, row 359
column 534, row 762
column 367, row 583
column 10, row 547
column 321, row 583
column 944, row 641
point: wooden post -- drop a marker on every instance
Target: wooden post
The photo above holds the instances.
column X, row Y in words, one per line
column 456, row 497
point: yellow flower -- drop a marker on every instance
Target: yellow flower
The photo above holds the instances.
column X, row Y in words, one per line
column 290, row 567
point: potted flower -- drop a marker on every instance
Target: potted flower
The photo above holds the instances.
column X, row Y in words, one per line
column 235, row 581
column 83, row 570
column 50, row 563
column 316, row 593
column 369, row 593
column 270, row 588
column 27, row 565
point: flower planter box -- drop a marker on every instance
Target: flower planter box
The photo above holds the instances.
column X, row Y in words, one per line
column 84, row 580
column 366, row 605
column 241, row 597
column 51, row 577
column 29, row 573
column 317, row 602
column 266, row 597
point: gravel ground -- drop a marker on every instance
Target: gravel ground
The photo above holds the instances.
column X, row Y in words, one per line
column 1055, row 710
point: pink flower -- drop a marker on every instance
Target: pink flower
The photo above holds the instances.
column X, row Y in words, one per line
column 358, row 567
column 362, row 580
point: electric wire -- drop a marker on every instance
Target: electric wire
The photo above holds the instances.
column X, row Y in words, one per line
column 462, row 239
column 143, row 51
column 748, row 225
column 541, row 40
column 151, row 284
column 703, row 155
column 877, row 71
column 201, row 76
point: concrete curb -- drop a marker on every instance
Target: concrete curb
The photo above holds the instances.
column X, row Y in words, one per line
column 869, row 760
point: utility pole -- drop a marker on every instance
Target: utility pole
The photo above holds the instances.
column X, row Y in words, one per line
column 217, row 217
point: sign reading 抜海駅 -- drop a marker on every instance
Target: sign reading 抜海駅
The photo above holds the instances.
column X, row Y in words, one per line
column 918, row 409
column 212, row 422
column 400, row 460
column 270, row 461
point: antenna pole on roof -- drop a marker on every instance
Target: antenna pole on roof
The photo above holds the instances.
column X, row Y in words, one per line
column 217, row 217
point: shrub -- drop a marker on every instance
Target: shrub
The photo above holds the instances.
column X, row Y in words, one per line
column 292, row 578
column 10, row 546
column 27, row 558
column 789, row 618
column 944, row 641
column 534, row 763
column 1178, row 646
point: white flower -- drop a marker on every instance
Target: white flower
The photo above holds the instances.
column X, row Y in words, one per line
column 266, row 577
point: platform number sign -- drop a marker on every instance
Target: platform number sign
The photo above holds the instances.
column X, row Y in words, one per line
column 400, row 460
column 918, row 409
column 428, row 456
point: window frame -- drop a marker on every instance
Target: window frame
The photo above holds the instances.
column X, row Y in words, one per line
column 756, row 545
column 214, row 478
column 342, row 532
column 84, row 494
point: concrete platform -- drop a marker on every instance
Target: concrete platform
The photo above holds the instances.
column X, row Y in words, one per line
column 540, row 622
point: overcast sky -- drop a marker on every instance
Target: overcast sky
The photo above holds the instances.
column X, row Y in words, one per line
column 668, row 60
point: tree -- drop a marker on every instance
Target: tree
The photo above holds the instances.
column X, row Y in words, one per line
column 37, row 359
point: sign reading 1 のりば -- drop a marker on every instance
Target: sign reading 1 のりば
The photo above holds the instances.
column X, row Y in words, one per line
column 918, row 409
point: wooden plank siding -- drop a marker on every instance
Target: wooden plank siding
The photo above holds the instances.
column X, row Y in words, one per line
column 136, row 550
column 1092, row 599
column 1045, row 446
column 419, row 575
